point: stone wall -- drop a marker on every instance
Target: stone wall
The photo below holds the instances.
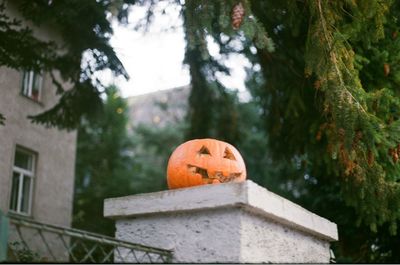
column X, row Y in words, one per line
column 223, row 223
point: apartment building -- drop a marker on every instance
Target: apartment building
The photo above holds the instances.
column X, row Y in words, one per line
column 36, row 163
column 159, row 108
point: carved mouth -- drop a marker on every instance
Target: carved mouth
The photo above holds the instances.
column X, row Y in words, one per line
column 218, row 175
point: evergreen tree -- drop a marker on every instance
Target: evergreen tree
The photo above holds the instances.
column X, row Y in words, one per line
column 212, row 109
column 84, row 27
column 153, row 145
column 325, row 80
column 104, row 168
column 328, row 99
column 353, row 124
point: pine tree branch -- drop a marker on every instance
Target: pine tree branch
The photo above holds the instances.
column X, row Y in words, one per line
column 334, row 57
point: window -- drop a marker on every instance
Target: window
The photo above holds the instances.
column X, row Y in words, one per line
column 32, row 85
column 22, row 181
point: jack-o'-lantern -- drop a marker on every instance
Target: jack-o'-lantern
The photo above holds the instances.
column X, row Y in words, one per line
column 204, row 161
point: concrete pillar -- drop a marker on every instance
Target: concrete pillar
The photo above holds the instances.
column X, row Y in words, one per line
column 225, row 223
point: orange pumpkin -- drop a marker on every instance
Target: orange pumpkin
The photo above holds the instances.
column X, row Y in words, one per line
column 204, row 161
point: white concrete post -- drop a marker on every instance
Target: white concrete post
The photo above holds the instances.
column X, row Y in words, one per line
column 225, row 223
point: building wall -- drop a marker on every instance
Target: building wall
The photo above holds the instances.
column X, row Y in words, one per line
column 55, row 166
column 159, row 108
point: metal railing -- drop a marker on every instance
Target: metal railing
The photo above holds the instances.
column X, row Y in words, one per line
column 23, row 240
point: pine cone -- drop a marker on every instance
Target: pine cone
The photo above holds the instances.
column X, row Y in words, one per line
column 237, row 15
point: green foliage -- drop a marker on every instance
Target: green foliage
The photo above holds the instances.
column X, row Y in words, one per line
column 284, row 177
column 103, row 165
column 211, row 18
column 82, row 101
column 329, row 101
column 19, row 48
column 322, row 128
column 329, row 98
column 22, row 254
column 79, row 27
column 209, row 100
column 153, row 146
column 359, row 136
column 111, row 162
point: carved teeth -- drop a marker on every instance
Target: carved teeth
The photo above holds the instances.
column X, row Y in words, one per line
column 192, row 169
column 235, row 175
column 218, row 175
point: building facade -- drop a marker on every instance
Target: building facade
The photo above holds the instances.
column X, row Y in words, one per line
column 37, row 164
column 159, row 108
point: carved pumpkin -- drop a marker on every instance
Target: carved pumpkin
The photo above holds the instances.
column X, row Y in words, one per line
column 204, row 161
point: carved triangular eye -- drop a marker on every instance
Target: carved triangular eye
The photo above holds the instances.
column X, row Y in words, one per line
column 204, row 151
column 228, row 154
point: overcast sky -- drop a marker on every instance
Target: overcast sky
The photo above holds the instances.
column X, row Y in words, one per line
column 154, row 59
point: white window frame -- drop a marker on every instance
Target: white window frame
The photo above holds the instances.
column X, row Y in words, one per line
column 23, row 173
column 28, row 84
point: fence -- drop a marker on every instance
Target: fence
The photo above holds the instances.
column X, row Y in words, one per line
column 23, row 240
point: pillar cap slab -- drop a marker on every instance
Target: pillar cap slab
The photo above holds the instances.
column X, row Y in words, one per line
column 247, row 195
